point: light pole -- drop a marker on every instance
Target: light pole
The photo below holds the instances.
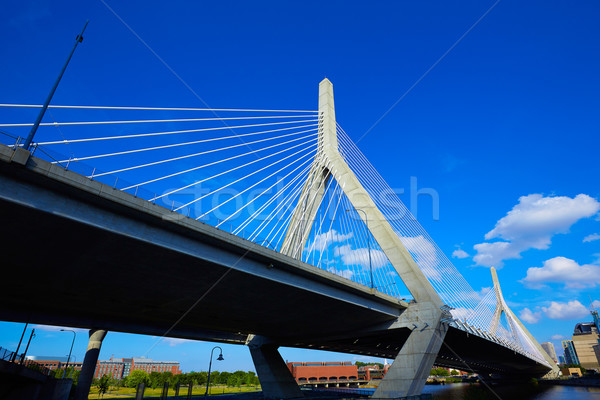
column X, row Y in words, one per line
column 28, row 343
column 220, row 358
column 73, row 367
column 70, row 351
column 368, row 243
column 19, row 346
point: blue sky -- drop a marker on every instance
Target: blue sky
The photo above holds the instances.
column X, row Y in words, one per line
column 505, row 127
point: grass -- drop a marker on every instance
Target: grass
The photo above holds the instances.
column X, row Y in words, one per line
column 129, row 393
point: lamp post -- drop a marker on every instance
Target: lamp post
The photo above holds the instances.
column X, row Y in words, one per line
column 19, row 346
column 220, row 358
column 70, row 351
column 73, row 367
column 28, row 343
column 368, row 243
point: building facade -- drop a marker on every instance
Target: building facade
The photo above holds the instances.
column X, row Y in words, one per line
column 549, row 348
column 570, row 354
column 587, row 346
column 52, row 362
column 119, row 368
column 326, row 373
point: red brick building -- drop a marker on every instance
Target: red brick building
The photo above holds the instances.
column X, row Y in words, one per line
column 52, row 363
column 323, row 372
column 118, row 368
column 371, row 372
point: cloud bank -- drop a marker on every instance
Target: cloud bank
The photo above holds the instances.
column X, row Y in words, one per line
column 531, row 224
column 563, row 270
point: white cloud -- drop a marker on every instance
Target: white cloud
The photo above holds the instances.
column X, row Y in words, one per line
column 422, row 251
column 557, row 337
column 563, row 270
column 323, row 240
column 461, row 313
column 591, row 238
column 531, row 224
column 459, row 253
column 172, row 342
column 346, row 273
column 52, row 328
column 596, row 304
column 529, row 316
column 360, row 256
column 570, row 310
column 484, row 290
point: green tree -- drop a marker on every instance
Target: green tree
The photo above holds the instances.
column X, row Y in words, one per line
column 154, row 378
column 198, row 378
column 136, row 377
column 439, row 372
column 215, row 377
column 103, row 384
column 176, row 380
column 454, row 372
column 233, row 381
column 251, row 378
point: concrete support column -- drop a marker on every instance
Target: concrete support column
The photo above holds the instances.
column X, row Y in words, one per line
column 89, row 364
column 409, row 371
column 275, row 378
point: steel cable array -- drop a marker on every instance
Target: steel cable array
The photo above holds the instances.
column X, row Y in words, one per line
column 244, row 174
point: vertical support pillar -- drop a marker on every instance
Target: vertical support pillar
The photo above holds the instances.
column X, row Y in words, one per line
column 409, row 371
column 275, row 378
column 89, row 364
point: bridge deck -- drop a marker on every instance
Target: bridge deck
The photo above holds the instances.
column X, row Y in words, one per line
column 80, row 253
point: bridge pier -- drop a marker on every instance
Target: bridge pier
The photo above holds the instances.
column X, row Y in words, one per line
column 409, row 371
column 89, row 364
column 275, row 378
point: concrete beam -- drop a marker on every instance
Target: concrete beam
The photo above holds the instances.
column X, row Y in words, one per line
column 89, row 364
column 412, row 366
column 275, row 378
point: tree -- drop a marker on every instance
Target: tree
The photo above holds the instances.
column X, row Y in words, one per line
column 439, row 372
column 136, row 377
column 215, row 377
column 198, row 377
column 103, row 384
column 454, row 372
column 251, row 379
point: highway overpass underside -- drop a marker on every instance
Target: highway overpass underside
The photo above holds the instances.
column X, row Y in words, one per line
column 63, row 272
column 460, row 350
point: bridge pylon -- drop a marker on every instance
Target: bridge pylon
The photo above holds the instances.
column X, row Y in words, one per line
column 502, row 307
column 412, row 365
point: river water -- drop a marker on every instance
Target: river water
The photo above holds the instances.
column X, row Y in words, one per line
column 466, row 391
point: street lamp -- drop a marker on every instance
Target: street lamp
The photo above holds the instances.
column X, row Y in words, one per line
column 73, row 367
column 220, row 358
column 368, row 243
column 70, row 351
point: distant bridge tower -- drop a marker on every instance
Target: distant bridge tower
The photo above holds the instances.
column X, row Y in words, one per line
column 502, row 307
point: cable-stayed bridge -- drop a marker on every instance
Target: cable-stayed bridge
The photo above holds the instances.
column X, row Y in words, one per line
column 259, row 227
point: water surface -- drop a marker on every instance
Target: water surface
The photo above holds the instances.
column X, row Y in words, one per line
column 467, row 391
